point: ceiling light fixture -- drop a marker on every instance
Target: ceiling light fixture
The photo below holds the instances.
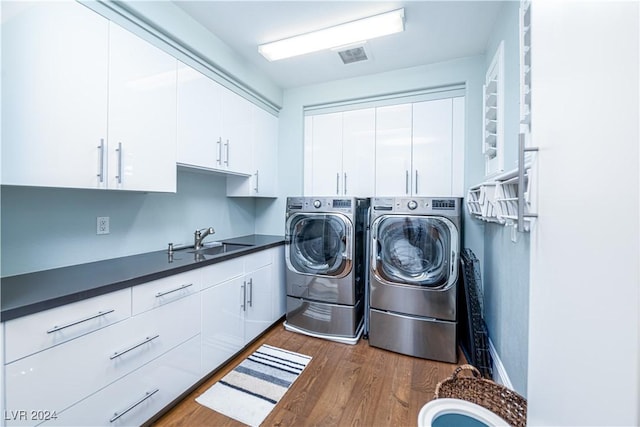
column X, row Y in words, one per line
column 332, row 37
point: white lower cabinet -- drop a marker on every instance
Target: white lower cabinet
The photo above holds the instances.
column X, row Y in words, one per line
column 54, row 379
column 237, row 310
column 135, row 398
column 161, row 338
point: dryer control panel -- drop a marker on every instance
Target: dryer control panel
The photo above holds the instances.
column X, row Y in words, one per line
column 417, row 205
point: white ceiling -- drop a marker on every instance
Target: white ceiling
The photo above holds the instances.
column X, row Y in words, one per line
column 435, row 31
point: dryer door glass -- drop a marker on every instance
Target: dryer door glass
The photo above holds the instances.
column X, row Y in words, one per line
column 414, row 251
column 319, row 244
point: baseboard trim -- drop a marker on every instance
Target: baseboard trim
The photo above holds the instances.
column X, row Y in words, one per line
column 499, row 372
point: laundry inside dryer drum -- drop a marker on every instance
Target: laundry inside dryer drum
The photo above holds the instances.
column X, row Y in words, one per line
column 414, row 251
column 319, row 244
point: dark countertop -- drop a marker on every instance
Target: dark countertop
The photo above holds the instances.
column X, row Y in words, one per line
column 30, row 293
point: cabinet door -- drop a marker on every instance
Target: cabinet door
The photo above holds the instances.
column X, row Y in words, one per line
column 199, row 126
column 393, row 150
column 263, row 180
column 237, row 132
column 326, row 152
column 265, row 152
column 222, row 322
column 432, row 148
column 258, row 305
column 142, row 114
column 54, row 94
column 358, row 152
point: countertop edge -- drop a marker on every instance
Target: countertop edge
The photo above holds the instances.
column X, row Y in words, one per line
column 11, row 313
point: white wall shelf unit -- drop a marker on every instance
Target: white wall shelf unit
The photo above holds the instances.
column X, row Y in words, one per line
column 493, row 114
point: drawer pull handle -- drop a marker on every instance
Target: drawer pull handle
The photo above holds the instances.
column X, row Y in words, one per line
column 143, row 342
column 161, row 294
column 77, row 322
column 147, row 395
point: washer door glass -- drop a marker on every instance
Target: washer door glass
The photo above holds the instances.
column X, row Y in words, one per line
column 414, row 251
column 319, row 244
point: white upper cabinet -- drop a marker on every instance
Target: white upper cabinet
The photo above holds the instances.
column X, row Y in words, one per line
column 215, row 125
column 54, row 94
column 237, row 133
column 341, row 147
column 264, row 152
column 432, row 148
column 199, row 119
column 393, row 150
column 420, row 149
column 326, row 160
column 358, row 152
column 142, row 114
column 85, row 103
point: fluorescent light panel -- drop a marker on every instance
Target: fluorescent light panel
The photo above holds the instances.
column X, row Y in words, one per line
column 340, row 35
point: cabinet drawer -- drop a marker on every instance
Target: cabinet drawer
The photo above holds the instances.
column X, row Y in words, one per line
column 257, row 260
column 54, row 379
column 140, row 395
column 36, row 332
column 221, row 272
column 159, row 292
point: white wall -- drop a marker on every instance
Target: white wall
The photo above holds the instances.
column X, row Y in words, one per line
column 506, row 263
column 584, row 341
column 52, row 227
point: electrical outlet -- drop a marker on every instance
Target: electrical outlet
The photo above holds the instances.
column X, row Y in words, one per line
column 102, row 225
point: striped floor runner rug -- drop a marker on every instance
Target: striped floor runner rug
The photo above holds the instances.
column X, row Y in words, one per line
column 252, row 389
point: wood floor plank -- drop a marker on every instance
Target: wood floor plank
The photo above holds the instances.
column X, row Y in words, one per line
column 345, row 385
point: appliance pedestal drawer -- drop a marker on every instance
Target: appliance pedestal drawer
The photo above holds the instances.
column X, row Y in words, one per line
column 421, row 337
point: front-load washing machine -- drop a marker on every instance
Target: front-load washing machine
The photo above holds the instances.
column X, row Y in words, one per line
column 325, row 253
column 414, row 254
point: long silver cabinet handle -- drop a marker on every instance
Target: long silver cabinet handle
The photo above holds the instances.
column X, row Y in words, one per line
column 406, row 182
column 416, row 182
column 147, row 395
column 101, row 168
column 77, row 322
column 161, row 294
column 521, row 202
column 250, row 292
column 143, row 342
column 244, row 296
column 119, row 150
column 226, row 161
column 338, row 184
column 345, row 183
column 219, row 159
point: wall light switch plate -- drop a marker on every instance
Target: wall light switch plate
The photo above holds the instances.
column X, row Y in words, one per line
column 102, row 225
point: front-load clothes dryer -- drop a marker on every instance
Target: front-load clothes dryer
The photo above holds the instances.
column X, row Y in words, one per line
column 325, row 253
column 414, row 254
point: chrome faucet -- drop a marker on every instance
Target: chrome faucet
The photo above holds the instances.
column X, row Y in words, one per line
column 199, row 236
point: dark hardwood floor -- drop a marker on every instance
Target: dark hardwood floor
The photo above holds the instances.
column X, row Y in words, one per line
column 344, row 385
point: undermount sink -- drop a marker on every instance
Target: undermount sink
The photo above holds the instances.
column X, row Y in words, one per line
column 219, row 249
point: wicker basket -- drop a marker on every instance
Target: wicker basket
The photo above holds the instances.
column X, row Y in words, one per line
column 505, row 403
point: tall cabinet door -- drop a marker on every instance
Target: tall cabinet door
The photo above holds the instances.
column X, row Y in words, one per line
column 358, row 152
column 54, row 69
column 199, row 132
column 393, row 150
column 265, row 152
column 142, row 114
column 432, row 148
column 258, row 303
column 326, row 167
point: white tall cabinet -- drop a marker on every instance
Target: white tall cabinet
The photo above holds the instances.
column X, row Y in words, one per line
column 341, row 149
column 89, row 111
